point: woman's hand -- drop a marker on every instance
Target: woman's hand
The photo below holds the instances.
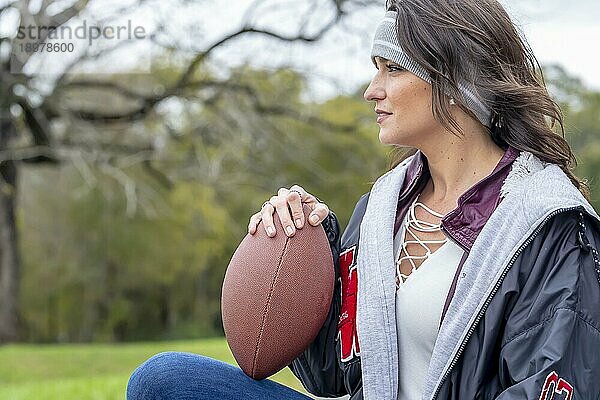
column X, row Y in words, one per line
column 286, row 200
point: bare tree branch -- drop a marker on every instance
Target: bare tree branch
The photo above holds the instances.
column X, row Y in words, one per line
column 37, row 123
column 157, row 174
column 147, row 101
column 127, row 116
column 67, row 150
column 247, row 29
column 84, row 170
column 129, row 187
column 108, row 148
column 22, row 154
column 136, row 158
column 105, row 85
column 67, row 14
column 44, row 24
column 86, row 56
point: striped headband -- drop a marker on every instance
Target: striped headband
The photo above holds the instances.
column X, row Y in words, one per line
column 386, row 45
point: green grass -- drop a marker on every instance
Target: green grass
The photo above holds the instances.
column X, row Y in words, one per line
column 93, row 371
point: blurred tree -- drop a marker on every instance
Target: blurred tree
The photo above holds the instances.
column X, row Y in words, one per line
column 158, row 273
column 581, row 108
column 46, row 126
column 108, row 276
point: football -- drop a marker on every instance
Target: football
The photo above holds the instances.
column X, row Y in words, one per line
column 276, row 296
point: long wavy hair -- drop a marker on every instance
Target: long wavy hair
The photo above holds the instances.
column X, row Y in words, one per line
column 476, row 41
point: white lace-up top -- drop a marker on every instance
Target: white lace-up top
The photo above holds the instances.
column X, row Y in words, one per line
column 420, row 299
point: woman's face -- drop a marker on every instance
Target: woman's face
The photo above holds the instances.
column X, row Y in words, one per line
column 403, row 105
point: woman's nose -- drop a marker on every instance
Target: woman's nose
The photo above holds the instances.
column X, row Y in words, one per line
column 374, row 91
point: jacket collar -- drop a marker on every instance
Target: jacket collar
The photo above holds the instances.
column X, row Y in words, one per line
column 474, row 207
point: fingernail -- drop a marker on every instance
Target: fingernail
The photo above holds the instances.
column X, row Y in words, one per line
column 289, row 230
column 314, row 218
column 270, row 230
column 298, row 223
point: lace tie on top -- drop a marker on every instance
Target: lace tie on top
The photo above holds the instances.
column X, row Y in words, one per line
column 412, row 222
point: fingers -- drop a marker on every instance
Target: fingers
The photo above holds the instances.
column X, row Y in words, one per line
column 318, row 214
column 299, row 189
column 281, row 205
column 295, row 202
column 254, row 221
column 267, row 217
column 306, row 197
column 288, row 204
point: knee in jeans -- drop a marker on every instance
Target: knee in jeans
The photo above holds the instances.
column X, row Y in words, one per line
column 148, row 380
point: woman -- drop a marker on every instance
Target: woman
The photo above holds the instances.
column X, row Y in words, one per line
column 470, row 270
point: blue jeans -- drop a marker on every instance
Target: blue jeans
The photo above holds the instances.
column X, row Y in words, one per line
column 185, row 376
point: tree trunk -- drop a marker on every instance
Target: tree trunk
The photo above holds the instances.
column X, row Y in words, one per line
column 9, row 255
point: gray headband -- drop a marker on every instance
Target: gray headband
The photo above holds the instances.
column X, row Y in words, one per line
column 386, row 45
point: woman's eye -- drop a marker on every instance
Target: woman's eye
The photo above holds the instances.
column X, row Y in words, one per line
column 393, row 67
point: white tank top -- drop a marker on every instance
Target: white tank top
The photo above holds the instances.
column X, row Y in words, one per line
column 420, row 300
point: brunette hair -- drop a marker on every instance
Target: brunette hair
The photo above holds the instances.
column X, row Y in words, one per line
column 476, row 41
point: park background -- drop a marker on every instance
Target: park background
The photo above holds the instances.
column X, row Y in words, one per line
column 130, row 167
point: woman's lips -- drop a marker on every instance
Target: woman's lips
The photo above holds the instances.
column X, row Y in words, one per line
column 382, row 116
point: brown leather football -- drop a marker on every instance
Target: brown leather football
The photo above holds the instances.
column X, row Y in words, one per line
column 276, row 295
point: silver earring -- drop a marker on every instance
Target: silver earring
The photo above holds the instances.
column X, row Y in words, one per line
column 452, row 101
